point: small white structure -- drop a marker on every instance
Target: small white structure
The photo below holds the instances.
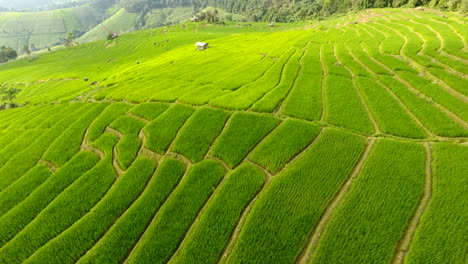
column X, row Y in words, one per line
column 194, row 19
column 201, row 45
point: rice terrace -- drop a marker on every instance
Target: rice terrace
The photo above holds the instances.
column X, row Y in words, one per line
column 228, row 137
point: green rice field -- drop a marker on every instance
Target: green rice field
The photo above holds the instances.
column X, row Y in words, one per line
column 343, row 140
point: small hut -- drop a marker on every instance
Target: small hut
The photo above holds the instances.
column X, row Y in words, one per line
column 194, row 19
column 271, row 25
column 201, row 45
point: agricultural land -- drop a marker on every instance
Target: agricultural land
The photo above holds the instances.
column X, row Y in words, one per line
column 343, row 140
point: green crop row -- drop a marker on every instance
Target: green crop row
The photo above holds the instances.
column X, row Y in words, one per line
column 198, row 134
column 161, row 131
column 29, row 157
column 44, row 113
column 442, row 233
column 25, row 140
column 388, row 113
column 243, row 132
column 83, row 234
column 282, row 218
column 291, row 137
column 97, row 128
column 117, row 243
column 392, row 43
column 437, row 94
column 456, row 82
column 149, row 111
column 307, row 90
column 248, row 94
column 344, row 107
column 435, row 120
column 65, row 111
column 210, row 234
column 331, row 64
column 20, row 117
column 129, row 145
column 69, row 142
column 269, row 102
column 348, row 60
column 367, row 226
column 68, row 207
column 9, row 137
column 22, row 214
column 174, row 218
column 23, row 187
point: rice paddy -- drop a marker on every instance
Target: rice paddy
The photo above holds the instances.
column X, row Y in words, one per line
column 334, row 141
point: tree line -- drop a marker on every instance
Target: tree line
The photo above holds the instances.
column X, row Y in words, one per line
column 288, row 10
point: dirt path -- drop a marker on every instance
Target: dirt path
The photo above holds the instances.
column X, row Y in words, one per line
column 405, row 242
column 306, row 254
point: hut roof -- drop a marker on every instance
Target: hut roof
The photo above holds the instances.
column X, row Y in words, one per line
column 201, row 44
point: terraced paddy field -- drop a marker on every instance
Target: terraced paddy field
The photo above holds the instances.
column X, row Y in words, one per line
column 340, row 141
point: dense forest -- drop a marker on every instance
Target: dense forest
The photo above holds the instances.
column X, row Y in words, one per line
column 288, row 10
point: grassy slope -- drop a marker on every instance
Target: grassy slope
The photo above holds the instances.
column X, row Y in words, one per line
column 308, row 160
column 44, row 28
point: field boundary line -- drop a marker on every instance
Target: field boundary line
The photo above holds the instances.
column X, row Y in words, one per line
column 51, row 200
column 200, row 212
column 279, row 107
column 407, row 110
column 258, row 143
column 90, row 210
column 358, row 92
column 208, row 153
column 240, row 224
column 155, row 216
column 52, row 167
column 80, row 217
column 317, row 231
column 176, row 136
column 142, row 119
column 267, row 173
column 120, row 216
column 45, row 151
column 421, row 52
column 455, row 31
column 416, row 92
column 279, row 81
column 145, row 151
column 322, row 82
column 405, row 242
column 235, row 234
column 421, row 68
column 442, row 41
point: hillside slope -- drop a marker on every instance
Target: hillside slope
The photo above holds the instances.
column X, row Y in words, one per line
column 337, row 141
column 40, row 29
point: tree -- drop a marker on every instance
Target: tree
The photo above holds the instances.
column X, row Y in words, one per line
column 26, row 50
column 70, row 39
column 9, row 94
column 7, row 54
